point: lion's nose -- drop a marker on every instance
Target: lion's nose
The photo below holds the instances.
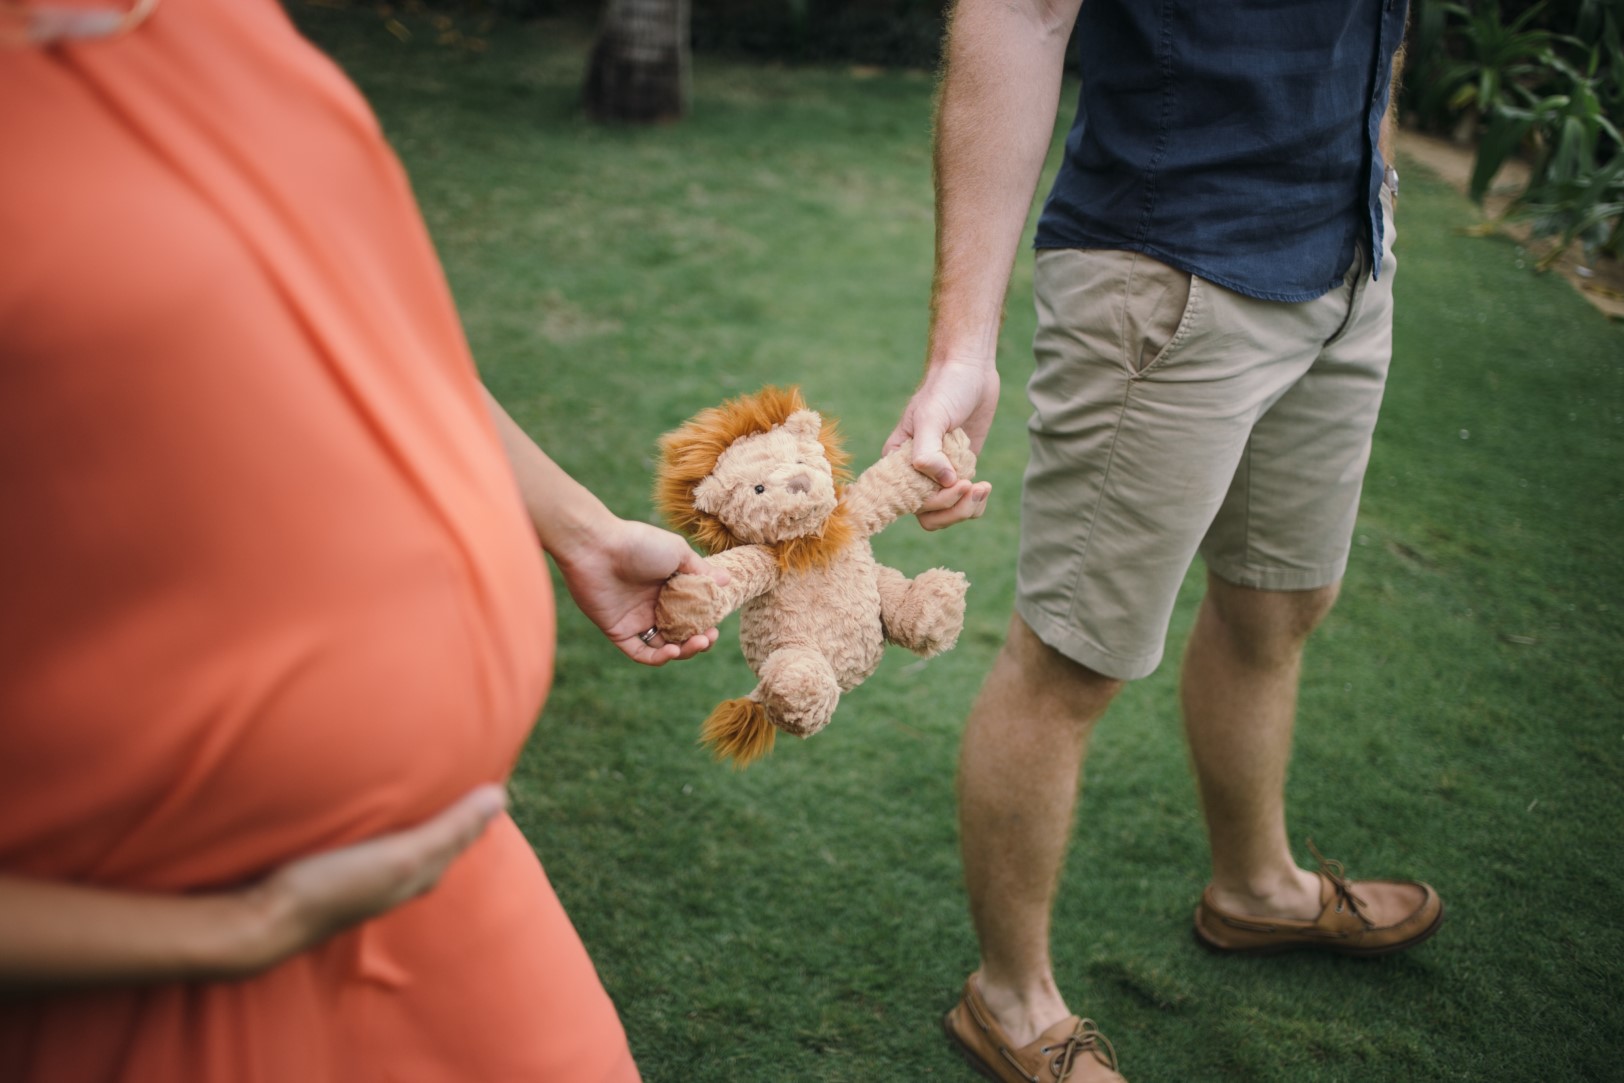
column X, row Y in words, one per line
column 800, row 483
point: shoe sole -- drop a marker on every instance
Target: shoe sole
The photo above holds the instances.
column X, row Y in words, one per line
column 1328, row 946
column 965, row 1051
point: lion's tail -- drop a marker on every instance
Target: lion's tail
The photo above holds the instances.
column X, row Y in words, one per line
column 739, row 730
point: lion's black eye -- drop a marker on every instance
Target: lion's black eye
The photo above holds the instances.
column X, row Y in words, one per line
column 761, row 488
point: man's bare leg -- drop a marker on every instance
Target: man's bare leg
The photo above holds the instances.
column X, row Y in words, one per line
column 1239, row 692
column 1018, row 773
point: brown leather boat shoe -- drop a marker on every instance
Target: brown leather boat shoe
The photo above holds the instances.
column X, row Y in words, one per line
column 1358, row 917
column 1073, row 1049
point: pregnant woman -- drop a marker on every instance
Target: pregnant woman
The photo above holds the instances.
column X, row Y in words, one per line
column 273, row 619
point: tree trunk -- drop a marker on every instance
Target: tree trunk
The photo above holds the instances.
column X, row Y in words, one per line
column 639, row 68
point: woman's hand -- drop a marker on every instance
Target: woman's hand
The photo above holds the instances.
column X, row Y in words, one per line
column 59, row 935
column 311, row 899
column 613, row 567
column 615, row 577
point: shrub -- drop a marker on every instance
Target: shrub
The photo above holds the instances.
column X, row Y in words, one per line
column 1546, row 85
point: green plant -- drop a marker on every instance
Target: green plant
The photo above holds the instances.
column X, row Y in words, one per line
column 1496, row 64
column 1575, row 189
column 1589, row 209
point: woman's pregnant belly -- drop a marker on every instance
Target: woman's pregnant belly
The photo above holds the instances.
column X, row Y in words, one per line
column 208, row 754
column 241, row 624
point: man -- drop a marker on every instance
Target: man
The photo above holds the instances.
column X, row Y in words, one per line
column 1212, row 345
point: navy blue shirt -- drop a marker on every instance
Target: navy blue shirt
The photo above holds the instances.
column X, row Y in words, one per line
column 1235, row 139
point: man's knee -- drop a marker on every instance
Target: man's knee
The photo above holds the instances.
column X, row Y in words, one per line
column 1270, row 626
column 1048, row 673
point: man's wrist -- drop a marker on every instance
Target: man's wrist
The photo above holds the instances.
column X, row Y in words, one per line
column 968, row 341
column 985, row 360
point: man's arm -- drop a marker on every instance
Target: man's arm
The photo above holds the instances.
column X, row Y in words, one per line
column 994, row 120
column 995, row 114
column 1389, row 126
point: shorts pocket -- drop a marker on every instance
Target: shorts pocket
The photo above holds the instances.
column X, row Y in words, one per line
column 1158, row 308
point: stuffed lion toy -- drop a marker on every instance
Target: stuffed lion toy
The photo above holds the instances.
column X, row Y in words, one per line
column 760, row 484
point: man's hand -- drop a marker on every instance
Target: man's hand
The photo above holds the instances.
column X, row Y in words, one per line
column 616, row 580
column 954, row 394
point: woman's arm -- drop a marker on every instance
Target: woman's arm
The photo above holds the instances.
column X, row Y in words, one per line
column 613, row 567
column 57, row 935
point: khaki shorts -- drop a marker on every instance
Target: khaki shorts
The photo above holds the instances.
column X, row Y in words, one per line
column 1172, row 416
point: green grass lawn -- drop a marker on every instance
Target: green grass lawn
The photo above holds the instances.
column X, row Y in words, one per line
column 1462, row 714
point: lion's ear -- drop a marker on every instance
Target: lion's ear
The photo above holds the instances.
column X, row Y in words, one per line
column 806, row 424
column 708, row 494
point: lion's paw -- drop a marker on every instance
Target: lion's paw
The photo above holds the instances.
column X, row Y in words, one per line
column 689, row 604
column 930, row 616
column 799, row 690
column 956, row 446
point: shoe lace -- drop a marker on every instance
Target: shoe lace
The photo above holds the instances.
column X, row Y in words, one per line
column 1085, row 1036
column 1333, row 871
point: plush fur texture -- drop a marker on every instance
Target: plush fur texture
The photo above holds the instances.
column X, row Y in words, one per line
column 757, row 482
column 689, row 455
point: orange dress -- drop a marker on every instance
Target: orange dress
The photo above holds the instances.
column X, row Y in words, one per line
column 266, row 586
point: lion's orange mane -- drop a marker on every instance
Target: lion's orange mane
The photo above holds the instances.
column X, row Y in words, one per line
column 689, row 454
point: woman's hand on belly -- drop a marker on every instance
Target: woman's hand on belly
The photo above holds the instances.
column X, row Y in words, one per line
column 311, row 899
column 57, row 935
